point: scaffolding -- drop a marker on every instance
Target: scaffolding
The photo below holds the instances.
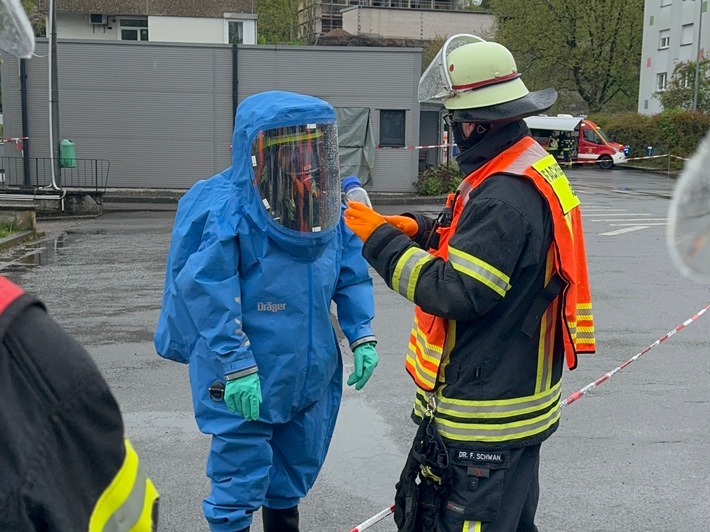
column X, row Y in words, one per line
column 318, row 17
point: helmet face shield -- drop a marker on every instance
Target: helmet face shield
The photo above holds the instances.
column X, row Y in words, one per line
column 296, row 173
column 16, row 34
column 435, row 83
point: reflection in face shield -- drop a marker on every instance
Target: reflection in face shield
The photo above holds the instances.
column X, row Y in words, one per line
column 296, row 174
column 16, row 34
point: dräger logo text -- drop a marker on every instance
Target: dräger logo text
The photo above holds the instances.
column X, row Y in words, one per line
column 270, row 307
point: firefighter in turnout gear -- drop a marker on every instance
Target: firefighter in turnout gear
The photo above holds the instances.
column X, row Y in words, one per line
column 65, row 463
column 502, row 299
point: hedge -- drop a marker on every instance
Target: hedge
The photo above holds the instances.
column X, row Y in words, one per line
column 672, row 132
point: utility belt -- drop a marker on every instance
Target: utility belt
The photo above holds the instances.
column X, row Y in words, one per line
column 442, row 486
column 425, row 481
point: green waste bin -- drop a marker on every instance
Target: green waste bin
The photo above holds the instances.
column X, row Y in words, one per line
column 67, row 154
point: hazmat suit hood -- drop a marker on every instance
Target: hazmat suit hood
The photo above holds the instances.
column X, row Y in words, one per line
column 293, row 116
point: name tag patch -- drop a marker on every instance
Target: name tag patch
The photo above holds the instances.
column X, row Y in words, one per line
column 484, row 459
column 455, row 507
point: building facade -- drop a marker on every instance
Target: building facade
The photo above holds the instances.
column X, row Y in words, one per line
column 674, row 31
column 162, row 113
column 213, row 22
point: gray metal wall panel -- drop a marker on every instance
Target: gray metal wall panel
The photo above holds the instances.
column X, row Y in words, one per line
column 378, row 78
column 162, row 113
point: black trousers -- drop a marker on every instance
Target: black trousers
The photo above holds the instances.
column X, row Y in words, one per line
column 493, row 491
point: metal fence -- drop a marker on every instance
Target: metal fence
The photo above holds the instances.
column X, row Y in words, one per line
column 36, row 172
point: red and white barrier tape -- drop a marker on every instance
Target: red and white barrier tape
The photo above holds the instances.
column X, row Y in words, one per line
column 424, row 147
column 19, row 142
column 656, row 157
column 374, row 519
column 569, row 400
column 589, row 387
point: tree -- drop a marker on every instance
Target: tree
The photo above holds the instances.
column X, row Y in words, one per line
column 592, row 48
column 278, row 21
column 431, row 48
column 37, row 16
column 680, row 89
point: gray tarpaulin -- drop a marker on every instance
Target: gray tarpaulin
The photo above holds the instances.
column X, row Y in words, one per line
column 356, row 142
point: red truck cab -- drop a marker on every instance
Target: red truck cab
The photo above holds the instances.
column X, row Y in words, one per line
column 589, row 142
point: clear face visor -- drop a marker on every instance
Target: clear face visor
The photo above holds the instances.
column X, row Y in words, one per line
column 435, row 83
column 16, row 34
column 296, row 171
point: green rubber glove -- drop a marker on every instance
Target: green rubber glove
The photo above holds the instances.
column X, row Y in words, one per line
column 243, row 395
column 365, row 363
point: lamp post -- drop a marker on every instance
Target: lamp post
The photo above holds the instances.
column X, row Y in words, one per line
column 697, row 59
column 53, row 98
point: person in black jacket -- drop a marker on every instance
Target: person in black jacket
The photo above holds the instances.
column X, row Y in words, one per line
column 501, row 296
column 65, row 464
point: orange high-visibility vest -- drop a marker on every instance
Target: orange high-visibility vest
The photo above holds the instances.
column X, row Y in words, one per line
column 429, row 336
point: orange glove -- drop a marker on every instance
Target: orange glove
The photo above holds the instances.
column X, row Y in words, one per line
column 362, row 220
column 404, row 223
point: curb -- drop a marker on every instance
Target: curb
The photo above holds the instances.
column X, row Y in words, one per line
column 142, row 199
column 16, row 239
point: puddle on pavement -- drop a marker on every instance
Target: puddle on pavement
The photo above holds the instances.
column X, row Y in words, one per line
column 362, row 458
column 31, row 254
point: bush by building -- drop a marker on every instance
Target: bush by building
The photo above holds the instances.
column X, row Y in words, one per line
column 439, row 180
column 673, row 132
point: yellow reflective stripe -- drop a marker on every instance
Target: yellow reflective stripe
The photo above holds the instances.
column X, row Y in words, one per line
column 585, row 332
column 495, row 409
column 545, row 348
column 122, row 506
column 572, row 326
column 145, row 521
column 291, row 138
column 480, row 270
column 406, row 272
column 430, row 353
column 472, row 526
column 548, row 326
column 418, row 409
column 497, row 432
column 422, row 374
column 584, row 312
column 553, row 174
column 412, row 355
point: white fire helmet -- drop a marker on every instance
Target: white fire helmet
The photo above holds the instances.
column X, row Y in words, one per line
column 478, row 81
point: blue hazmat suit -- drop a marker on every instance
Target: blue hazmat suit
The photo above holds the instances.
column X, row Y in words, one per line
column 240, row 292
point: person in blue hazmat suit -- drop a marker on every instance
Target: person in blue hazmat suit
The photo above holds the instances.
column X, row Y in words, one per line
column 258, row 254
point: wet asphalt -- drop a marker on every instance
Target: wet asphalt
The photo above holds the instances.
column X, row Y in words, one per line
column 631, row 455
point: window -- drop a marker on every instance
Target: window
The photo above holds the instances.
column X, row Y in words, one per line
column 591, row 136
column 664, row 39
column 392, row 128
column 235, row 32
column 661, row 80
column 133, row 29
column 686, row 34
column 686, row 80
